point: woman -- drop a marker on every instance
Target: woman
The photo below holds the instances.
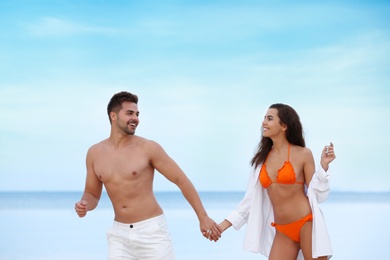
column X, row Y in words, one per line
column 281, row 202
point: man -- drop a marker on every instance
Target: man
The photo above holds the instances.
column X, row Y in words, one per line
column 125, row 163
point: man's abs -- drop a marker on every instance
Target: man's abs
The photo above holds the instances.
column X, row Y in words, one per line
column 136, row 208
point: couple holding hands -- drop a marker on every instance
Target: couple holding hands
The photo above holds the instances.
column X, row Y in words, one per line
column 280, row 206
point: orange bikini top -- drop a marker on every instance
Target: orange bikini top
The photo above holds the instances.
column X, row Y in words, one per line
column 286, row 174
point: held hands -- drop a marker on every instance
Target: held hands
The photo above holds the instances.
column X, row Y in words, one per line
column 210, row 229
column 327, row 156
column 210, row 235
column 81, row 208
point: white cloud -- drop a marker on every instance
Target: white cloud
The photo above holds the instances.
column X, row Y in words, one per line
column 53, row 26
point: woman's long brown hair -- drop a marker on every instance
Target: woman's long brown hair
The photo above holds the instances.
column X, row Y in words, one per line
column 294, row 133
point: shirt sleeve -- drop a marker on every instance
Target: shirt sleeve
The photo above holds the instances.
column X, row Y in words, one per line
column 240, row 215
column 320, row 184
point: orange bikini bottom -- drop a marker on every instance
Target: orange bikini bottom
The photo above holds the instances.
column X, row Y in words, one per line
column 293, row 230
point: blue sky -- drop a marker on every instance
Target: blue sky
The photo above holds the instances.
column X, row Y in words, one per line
column 205, row 73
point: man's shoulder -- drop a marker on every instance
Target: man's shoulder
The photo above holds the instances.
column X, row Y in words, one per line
column 98, row 146
column 145, row 142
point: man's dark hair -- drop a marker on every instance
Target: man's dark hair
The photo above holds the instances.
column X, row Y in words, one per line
column 117, row 99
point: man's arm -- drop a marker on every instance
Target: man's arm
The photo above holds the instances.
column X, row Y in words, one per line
column 92, row 191
column 169, row 168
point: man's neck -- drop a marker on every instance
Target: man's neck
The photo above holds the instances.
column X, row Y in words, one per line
column 119, row 139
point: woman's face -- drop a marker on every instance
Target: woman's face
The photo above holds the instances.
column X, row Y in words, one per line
column 271, row 123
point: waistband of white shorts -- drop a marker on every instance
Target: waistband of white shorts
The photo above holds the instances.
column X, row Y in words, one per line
column 142, row 223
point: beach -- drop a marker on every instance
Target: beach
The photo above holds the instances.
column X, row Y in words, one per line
column 44, row 226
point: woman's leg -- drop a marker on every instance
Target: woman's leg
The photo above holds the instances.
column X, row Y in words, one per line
column 283, row 248
column 306, row 241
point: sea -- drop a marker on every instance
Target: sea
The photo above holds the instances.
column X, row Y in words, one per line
column 43, row 225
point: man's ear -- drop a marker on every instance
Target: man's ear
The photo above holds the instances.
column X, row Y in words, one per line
column 113, row 116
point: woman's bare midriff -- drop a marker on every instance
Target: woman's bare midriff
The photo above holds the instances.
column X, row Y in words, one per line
column 289, row 202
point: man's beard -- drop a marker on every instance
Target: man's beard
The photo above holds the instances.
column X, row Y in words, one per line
column 126, row 130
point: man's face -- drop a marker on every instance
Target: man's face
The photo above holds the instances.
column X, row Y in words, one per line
column 127, row 119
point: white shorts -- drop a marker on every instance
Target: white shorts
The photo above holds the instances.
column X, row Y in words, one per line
column 145, row 240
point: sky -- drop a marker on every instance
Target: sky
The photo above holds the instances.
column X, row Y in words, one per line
column 205, row 73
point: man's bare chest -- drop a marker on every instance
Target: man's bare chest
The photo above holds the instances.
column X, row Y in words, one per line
column 121, row 167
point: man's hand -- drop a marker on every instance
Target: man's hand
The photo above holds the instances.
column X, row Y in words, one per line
column 81, row 208
column 210, row 229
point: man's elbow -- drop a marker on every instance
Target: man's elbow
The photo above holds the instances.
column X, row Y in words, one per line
column 183, row 183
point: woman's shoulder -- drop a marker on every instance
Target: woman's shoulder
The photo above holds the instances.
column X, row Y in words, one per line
column 300, row 150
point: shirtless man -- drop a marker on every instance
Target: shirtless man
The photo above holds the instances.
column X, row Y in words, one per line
column 125, row 163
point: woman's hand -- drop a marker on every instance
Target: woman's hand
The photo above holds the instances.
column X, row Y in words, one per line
column 210, row 229
column 327, row 156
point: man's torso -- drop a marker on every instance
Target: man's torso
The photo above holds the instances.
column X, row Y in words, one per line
column 127, row 174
